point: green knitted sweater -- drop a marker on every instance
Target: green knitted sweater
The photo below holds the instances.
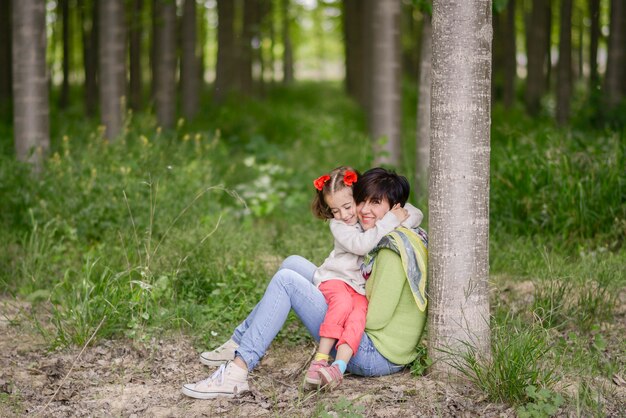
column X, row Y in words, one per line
column 394, row 322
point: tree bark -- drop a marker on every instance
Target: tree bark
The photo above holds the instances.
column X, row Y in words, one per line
column 5, row 57
column 384, row 109
column 165, row 60
column 288, row 75
column 354, row 47
column 537, row 38
column 112, row 59
column 250, row 31
column 226, row 55
column 30, row 85
column 65, row 34
column 564, row 69
column 423, row 107
column 510, row 56
column 136, row 31
column 89, row 18
column 459, row 182
column 615, row 83
column 189, row 63
column 594, row 37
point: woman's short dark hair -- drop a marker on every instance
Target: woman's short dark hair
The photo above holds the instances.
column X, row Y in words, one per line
column 379, row 183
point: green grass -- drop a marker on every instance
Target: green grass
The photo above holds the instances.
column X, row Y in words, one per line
column 160, row 231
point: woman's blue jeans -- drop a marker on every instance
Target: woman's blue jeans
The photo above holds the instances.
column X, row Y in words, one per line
column 292, row 288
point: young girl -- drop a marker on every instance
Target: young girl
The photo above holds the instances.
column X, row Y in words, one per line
column 339, row 277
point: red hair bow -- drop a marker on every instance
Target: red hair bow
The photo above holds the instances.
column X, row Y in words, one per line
column 349, row 178
column 320, row 181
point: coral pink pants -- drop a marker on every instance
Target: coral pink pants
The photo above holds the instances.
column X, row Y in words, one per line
column 345, row 317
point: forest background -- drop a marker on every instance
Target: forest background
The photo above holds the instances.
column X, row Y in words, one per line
column 163, row 215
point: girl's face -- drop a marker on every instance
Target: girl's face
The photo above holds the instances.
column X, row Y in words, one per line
column 372, row 210
column 342, row 206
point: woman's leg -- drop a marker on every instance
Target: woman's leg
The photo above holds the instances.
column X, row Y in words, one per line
column 295, row 263
column 287, row 290
column 300, row 265
column 367, row 361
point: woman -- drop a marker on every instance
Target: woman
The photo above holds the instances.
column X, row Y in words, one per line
column 395, row 318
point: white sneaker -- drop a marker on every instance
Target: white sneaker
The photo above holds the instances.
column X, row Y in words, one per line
column 229, row 380
column 222, row 354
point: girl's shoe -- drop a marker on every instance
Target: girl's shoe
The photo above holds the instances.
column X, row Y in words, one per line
column 330, row 376
column 222, row 354
column 312, row 376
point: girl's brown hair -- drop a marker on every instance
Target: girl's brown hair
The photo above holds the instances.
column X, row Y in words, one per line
column 334, row 183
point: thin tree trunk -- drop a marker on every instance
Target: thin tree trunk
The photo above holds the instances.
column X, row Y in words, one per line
column 564, row 69
column 226, row 57
column 510, row 55
column 65, row 35
column 615, row 83
column 5, row 58
column 30, row 85
column 112, row 59
column 136, row 31
column 89, row 18
column 537, row 38
column 250, row 30
column 272, row 35
column 165, row 60
column 384, row 109
column 365, row 64
column 548, row 48
column 353, row 45
column 497, row 62
column 423, row 108
column 459, row 182
column 189, row 63
column 288, row 75
column 594, row 37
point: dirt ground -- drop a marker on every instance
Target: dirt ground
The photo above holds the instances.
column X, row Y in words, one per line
column 123, row 378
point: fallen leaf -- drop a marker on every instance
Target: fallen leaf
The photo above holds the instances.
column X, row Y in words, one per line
column 618, row 380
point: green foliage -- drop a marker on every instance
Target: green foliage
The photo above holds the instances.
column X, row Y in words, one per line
column 421, row 364
column 517, row 361
column 544, row 403
column 343, row 408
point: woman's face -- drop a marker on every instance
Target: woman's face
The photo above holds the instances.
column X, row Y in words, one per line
column 372, row 210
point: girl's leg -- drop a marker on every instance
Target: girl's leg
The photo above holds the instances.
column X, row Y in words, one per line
column 287, row 290
column 339, row 300
column 355, row 324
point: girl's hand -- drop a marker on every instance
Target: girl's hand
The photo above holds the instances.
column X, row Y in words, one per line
column 401, row 213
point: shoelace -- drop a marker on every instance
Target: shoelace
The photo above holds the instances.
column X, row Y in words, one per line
column 217, row 376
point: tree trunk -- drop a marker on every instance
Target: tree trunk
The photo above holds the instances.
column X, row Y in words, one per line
column 510, row 56
column 367, row 36
column 353, row 44
column 564, row 69
column 594, row 37
column 288, row 75
column 30, row 86
column 548, row 48
column 136, row 30
column 65, row 21
column 89, row 18
column 615, row 83
column 250, row 31
column 189, row 62
column 537, row 38
column 165, row 60
column 497, row 53
column 112, row 59
column 459, row 182
column 226, row 55
column 5, row 59
column 384, row 109
column 423, row 108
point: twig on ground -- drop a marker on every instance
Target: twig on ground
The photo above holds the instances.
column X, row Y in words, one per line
column 72, row 368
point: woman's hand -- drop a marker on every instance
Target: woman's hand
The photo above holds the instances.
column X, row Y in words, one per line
column 401, row 213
